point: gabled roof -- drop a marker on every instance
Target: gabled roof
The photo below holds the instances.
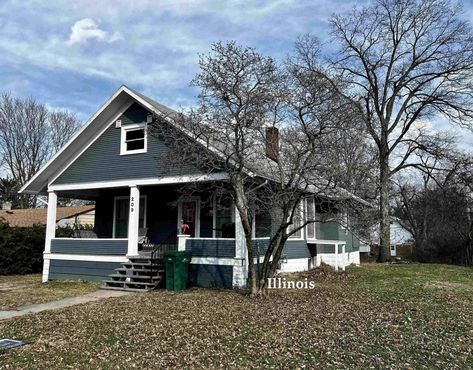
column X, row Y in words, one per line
column 37, row 216
column 107, row 114
column 121, row 100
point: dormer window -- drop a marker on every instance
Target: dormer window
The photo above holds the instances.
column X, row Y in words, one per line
column 133, row 139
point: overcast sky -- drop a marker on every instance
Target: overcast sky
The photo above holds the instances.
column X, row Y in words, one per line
column 75, row 54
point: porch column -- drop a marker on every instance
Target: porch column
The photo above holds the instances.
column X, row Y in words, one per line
column 50, row 232
column 133, row 221
column 181, row 242
column 336, row 257
column 240, row 273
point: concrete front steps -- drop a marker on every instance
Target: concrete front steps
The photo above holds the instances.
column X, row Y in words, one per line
column 140, row 274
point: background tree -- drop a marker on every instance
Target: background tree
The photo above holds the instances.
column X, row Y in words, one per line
column 437, row 210
column 269, row 128
column 9, row 191
column 29, row 135
column 405, row 61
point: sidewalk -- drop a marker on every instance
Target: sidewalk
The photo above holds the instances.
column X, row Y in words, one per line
column 66, row 302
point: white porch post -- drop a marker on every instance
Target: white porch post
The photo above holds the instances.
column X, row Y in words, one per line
column 181, row 242
column 240, row 273
column 50, row 232
column 133, row 221
column 336, row 257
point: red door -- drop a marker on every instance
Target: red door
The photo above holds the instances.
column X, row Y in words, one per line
column 189, row 215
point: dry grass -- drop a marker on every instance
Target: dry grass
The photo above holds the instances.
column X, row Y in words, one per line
column 17, row 291
column 379, row 316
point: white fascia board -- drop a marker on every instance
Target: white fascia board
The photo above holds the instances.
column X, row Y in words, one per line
column 110, row 122
column 220, row 176
column 74, row 137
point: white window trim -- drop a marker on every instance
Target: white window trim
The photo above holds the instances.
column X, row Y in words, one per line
column 302, row 236
column 131, row 127
column 145, row 204
column 197, row 214
column 311, row 225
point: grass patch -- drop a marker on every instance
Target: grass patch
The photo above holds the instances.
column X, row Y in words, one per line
column 379, row 316
column 22, row 290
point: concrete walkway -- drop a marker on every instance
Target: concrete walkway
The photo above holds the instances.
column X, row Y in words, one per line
column 66, row 302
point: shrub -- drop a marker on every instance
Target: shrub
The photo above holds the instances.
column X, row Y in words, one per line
column 21, row 248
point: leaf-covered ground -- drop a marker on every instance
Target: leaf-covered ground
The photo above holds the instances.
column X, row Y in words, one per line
column 379, row 316
column 22, row 290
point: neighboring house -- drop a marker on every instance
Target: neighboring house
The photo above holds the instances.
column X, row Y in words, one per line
column 401, row 240
column 65, row 216
column 113, row 161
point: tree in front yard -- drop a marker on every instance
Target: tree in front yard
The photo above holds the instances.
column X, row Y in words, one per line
column 268, row 127
column 405, row 61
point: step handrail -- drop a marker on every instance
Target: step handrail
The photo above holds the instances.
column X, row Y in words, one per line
column 169, row 243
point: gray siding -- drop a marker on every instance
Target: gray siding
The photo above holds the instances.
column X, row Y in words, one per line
column 97, row 247
column 333, row 231
column 211, row 276
column 81, row 270
column 261, row 246
column 296, row 249
column 102, row 160
column 211, row 248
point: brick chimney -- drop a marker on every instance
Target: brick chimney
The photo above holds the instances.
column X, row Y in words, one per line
column 6, row 206
column 272, row 143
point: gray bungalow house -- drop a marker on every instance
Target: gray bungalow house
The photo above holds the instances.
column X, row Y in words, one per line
column 139, row 213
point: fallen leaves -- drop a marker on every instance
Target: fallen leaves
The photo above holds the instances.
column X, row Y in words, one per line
column 374, row 317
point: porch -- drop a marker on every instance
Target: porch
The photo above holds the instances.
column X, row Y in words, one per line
column 128, row 231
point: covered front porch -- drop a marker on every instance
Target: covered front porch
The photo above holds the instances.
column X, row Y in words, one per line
column 138, row 221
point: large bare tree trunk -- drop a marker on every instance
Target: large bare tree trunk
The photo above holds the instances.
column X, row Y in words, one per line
column 385, row 222
column 243, row 209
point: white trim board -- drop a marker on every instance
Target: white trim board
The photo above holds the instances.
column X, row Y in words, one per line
column 217, row 261
column 140, row 182
column 83, row 257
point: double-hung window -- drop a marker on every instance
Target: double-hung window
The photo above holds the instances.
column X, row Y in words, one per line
column 133, row 139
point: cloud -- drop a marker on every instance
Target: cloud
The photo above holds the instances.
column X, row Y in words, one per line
column 86, row 29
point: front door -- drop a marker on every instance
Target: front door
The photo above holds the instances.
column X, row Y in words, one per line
column 189, row 217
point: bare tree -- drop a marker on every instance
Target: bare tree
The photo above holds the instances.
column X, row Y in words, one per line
column 29, row 135
column 265, row 126
column 405, row 61
column 437, row 210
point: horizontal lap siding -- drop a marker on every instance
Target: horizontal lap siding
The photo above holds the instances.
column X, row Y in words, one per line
column 96, row 247
column 296, row 249
column 261, row 246
column 211, row 248
column 102, row 160
column 81, row 270
column 211, row 276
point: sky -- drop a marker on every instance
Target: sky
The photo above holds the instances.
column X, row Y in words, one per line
column 75, row 54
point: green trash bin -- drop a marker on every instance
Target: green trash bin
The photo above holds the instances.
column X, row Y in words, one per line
column 176, row 266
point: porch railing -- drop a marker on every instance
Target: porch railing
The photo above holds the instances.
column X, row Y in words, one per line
column 167, row 244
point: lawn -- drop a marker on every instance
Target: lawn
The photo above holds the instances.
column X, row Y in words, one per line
column 379, row 316
column 22, row 290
